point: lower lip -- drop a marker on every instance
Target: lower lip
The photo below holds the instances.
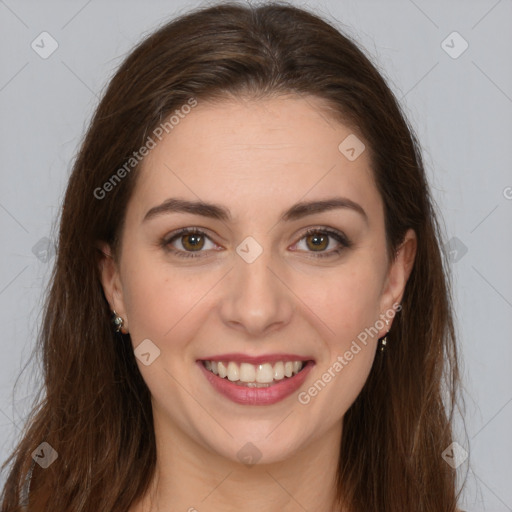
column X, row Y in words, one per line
column 257, row 396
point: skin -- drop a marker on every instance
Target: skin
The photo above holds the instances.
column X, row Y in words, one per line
column 256, row 158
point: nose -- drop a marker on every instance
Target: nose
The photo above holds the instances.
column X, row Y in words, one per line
column 256, row 299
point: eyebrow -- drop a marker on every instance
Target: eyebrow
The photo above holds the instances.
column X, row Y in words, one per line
column 215, row 211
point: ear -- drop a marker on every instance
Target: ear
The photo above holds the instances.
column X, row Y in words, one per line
column 398, row 274
column 111, row 282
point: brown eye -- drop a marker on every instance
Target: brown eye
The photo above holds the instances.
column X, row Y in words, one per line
column 324, row 242
column 192, row 241
column 188, row 242
column 317, row 241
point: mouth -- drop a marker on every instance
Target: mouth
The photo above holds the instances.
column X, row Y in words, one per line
column 256, row 381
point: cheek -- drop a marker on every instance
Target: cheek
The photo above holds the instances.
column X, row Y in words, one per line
column 349, row 307
column 157, row 297
column 347, row 301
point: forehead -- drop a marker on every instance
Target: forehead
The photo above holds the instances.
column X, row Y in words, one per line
column 245, row 152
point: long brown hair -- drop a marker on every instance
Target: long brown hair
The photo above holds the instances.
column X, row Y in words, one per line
column 96, row 411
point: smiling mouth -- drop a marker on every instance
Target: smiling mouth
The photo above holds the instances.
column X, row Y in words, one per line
column 255, row 375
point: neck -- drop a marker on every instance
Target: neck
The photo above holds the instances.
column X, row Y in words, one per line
column 192, row 478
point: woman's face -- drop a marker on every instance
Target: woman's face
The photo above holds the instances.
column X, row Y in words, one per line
column 251, row 290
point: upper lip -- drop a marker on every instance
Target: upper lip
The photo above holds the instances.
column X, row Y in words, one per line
column 266, row 358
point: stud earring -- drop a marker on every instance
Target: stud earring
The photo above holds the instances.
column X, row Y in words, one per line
column 118, row 323
column 384, row 341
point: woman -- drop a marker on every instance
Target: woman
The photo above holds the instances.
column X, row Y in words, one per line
column 249, row 308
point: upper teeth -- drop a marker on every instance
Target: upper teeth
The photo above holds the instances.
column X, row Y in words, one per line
column 246, row 372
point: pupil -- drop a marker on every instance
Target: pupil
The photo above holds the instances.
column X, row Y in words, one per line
column 318, row 240
column 193, row 240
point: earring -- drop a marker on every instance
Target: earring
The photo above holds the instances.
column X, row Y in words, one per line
column 118, row 323
column 384, row 340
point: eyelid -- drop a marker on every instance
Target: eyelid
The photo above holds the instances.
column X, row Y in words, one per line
column 166, row 242
column 338, row 235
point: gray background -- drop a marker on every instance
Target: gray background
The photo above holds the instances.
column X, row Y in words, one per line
column 460, row 107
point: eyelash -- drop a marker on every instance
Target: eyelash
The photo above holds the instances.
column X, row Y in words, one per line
column 337, row 235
